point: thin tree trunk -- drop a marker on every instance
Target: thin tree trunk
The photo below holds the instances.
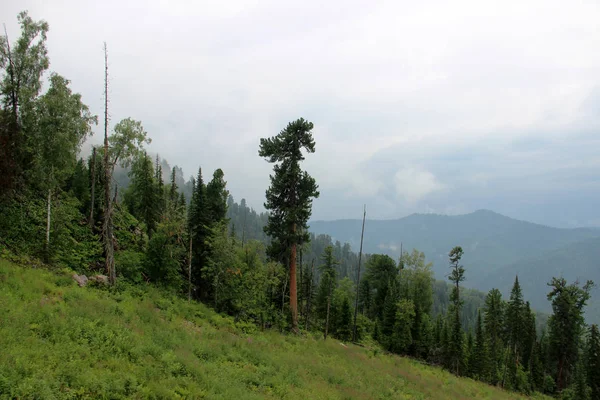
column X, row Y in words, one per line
column 312, row 269
column 47, row 249
column 559, row 378
column 91, row 220
column 328, row 307
column 301, row 291
column 358, row 273
column 293, row 292
column 190, row 272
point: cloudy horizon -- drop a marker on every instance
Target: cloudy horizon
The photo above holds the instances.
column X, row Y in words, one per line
column 418, row 107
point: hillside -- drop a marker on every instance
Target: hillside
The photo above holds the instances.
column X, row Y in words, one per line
column 576, row 261
column 61, row 341
column 496, row 248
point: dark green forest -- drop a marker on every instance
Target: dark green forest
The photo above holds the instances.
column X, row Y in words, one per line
column 128, row 218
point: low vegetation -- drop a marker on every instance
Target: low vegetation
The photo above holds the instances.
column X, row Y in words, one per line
column 60, row 341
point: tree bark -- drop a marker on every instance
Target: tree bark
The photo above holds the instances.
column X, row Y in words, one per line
column 91, row 220
column 293, row 291
column 47, row 249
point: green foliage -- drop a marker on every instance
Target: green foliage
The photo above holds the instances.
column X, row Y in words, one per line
column 566, row 325
column 289, row 198
column 455, row 345
column 68, row 342
column 142, row 196
column 593, row 362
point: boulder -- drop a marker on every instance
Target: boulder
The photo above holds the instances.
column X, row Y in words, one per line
column 81, row 280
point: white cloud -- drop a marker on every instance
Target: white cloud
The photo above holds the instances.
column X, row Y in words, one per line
column 413, row 184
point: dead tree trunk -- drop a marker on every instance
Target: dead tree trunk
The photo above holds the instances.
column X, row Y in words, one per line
column 358, row 274
column 107, row 228
column 91, row 220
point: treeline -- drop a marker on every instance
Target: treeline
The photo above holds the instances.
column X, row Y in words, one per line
column 265, row 269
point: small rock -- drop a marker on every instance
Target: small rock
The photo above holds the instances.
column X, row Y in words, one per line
column 80, row 279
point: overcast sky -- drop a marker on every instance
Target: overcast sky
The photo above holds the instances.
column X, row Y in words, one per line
column 431, row 106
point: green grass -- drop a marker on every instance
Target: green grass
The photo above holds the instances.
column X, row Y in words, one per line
column 60, row 341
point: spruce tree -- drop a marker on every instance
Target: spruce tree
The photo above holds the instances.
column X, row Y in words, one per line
column 516, row 330
column 515, row 313
column 593, row 362
column 216, row 197
column 344, row 328
column 402, row 338
column 141, row 196
column 480, row 362
column 566, row 326
column 494, row 325
column 289, row 198
column 456, row 335
column 328, row 282
column 161, row 203
column 198, row 225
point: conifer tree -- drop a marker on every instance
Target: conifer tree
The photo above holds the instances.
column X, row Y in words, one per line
column 328, row 276
column 289, row 198
column 216, row 197
column 516, row 329
column 173, row 196
column 456, row 335
column 401, row 338
column 494, row 325
column 566, row 326
column 593, row 362
column 161, row 204
column 141, row 196
column 199, row 228
column 480, row 362
column 344, row 329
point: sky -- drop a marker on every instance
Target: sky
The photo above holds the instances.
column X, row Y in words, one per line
column 431, row 107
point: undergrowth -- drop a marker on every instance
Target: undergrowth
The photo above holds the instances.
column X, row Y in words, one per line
column 60, row 341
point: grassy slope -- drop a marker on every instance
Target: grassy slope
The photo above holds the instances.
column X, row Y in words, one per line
column 61, row 341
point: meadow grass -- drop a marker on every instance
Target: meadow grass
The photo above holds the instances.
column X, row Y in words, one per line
column 60, row 341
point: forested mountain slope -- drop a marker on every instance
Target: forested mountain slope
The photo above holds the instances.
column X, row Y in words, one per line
column 496, row 249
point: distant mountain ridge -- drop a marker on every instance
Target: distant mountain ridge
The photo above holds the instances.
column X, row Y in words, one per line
column 496, row 248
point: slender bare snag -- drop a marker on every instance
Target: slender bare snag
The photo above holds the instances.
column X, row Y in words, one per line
column 358, row 273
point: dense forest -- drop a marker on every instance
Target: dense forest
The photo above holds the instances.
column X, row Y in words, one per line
column 128, row 218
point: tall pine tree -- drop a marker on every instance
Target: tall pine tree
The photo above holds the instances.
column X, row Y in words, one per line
column 456, row 335
column 289, row 198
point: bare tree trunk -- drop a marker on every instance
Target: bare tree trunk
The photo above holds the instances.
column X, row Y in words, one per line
column 47, row 249
column 293, row 292
column 312, row 269
column 190, row 272
column 328, row 307
column 107, row 225
column 91, row 220
column 358, row 273
column 301, row 291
